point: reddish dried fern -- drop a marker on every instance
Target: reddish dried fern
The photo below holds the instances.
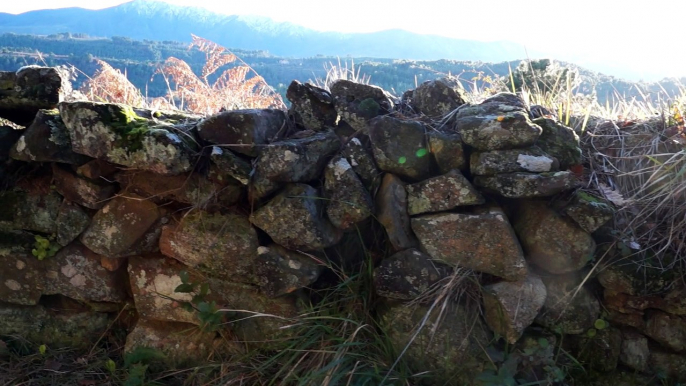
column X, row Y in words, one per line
column 111, row 85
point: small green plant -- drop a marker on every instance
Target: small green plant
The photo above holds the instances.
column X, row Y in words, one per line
column 137, row 362
column 44, row 247
column 207, row 311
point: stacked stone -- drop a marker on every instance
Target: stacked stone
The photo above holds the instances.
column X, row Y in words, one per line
column 246, row 202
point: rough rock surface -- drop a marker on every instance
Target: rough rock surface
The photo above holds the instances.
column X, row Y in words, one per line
column 362, row 162
column 243, row 131
column 223, row 246
column 180, row 343
column 391, row 212
column 72, row 220
column 436, row 98
column 634, row 352
column 297, row 160
column 550, row 241
column 668, row 330
column 441, row 193
column 559, row 141
column 119, row 224
column 294, row 219
column 30, row 89
column 97, row 169
column 230, row 165
column 54, row 327
column 566, row 310
column 407, row 274
column 531, row 160
column 451, row 348
column 407, row 158
column 527, row 185
column 91, row 194
column 280, row 271
column 669, row 365
column 588, row 211
column 8, row 138
column 31, row 211
column 500, row 122
column 46, row 140
column 510, row 307
column 484, row 242
column 600, row 352
column 630, row 275
column 188, row 188
column 311, row 106
column 447, row 150
column 350, row 202
column 356, row 103
column 153, row 281
column 21, row 276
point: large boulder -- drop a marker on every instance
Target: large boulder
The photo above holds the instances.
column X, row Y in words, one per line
column 400, row 147
column 297, row 160
column 243, row 131
column 441, row 193
column 294, row 219
column 484, row 242
column 500, row 122
column 47, row 140
column 118, row 134
column 356, row 103
column 551, row 241
column 350, row 202
column 30, row 89
column 223, row 246
column 510, row 307
column 311, row 106
column 120, row 224
column 391, row 212
column 527, row 185
column 436, row 98
column 407, row 274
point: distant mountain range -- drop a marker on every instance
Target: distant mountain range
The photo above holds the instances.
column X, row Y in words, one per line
column 156, row 20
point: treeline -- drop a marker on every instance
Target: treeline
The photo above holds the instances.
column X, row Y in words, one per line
column 139, row 59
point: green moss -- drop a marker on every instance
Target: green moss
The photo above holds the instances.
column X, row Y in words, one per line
column 130, row 128
column 587, row 197
column 369, row 108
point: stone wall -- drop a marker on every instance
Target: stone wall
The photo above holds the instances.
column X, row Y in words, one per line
column 156, row 219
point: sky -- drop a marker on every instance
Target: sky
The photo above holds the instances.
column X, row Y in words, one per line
column 645, row 36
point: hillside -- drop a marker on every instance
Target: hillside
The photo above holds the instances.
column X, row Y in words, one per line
column 140, row 58
column 160, row 21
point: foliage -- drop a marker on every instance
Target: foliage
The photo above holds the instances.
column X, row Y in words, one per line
column 45, row 247
column 207, row 311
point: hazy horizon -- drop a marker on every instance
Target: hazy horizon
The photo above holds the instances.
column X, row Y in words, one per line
column 617, row 38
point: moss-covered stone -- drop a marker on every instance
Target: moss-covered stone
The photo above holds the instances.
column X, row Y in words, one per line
column 441, row 193
column 510, row 307
column 450, row 347
column 46, row 140
column 72, row 220
column 350, row 202
column 448, row 151
column 400, row 147
column 500, row 122
column 436, row 98
column 33, row 211
column 362, row 161
column 294, row 219
column 119, row 224
column 527, row 185
column 116, row 133
column 357, row 103
column 223, row 246
column 484, row 242
column 279, row 271
column 588, row 211
column 311, row 106
column 527, row 160
column 407, row 274
column 569, row 308
column 550, row 241
column 30, row 89
column 230, row 166
column 21, row 275
column 559, row 141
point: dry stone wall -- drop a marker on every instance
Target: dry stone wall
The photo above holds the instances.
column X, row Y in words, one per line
column 105, row 208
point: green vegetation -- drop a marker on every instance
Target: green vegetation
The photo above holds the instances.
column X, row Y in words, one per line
column 45, row 247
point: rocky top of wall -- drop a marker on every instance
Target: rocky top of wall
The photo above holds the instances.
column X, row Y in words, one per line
column 107, row 205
